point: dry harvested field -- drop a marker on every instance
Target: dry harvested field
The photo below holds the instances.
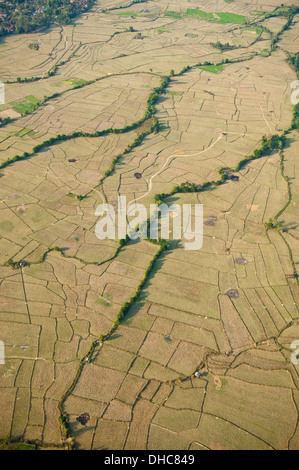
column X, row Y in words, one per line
column 122, row 330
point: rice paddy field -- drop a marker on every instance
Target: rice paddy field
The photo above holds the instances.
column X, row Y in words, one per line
column 164, row 349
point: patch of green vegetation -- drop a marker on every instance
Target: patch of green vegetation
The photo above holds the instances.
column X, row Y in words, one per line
column 173, row 14
column 202, row 14
column 252, row 28
column 32, row 99
column 7, row 226
column 128, row 13
column 160, row 31
column 25, row 106
column 10, row 134
column 223, row 47
column 211, row 68
column 265, row 52
column 17, row 446
column 58, row 84
column 76, row 196
column 258, row 13
column 282, row 9
column 295, row 121
column 34, row 46
column 231, row 18
column 218, row 17
column 105, row 301
column 24, row 132
column 294, row 60
column 37, row 217
column 274, row 224
column 78, row 83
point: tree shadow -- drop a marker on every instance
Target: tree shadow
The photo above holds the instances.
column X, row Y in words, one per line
column 82, row 429
column 115, row 336
column 289, row 142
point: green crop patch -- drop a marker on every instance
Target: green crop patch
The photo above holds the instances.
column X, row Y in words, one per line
column 24, row 132
column 17, row 446
column 217, row 17
column 79, row 83
column 128, row 13
column 6, row 226
column 32, row 99
column 211, row 68
column 231, row 18
column 258, row 13
column 202, row 14
column 257, row 30
column 25, row 106
column 173, row 14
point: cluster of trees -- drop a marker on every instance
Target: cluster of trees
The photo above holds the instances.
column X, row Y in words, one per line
column 23, row 16
column 274, row 224
column 293, row 10
column 294, row 60
column 275, row 142
column 4, row 121
column 52, row 71
column 34, row 46
column 26, row 80
column 295, row 122
column 190, row 187
column 184, row 70
column 153, row 98
column 16, row 264
column 223, row 47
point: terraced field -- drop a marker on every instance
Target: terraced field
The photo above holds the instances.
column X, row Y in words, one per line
column 135, row 100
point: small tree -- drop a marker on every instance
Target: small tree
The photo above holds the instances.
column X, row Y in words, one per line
column 269, row 224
